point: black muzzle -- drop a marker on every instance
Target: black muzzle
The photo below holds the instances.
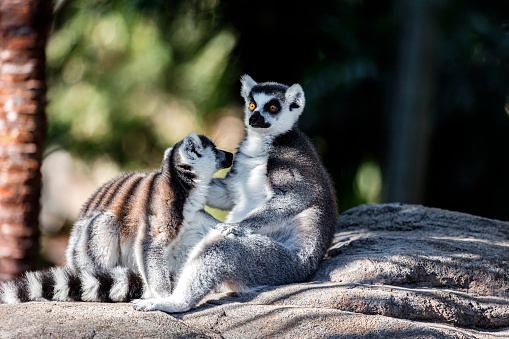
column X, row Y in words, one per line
column 258, row 121
column 225, row 159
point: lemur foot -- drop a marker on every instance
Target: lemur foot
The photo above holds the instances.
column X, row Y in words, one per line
column 167, row 305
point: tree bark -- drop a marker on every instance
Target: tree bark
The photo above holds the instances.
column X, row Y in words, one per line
column 24, row 27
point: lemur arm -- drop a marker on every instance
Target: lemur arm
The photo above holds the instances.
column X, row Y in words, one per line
column 218, row 195
column 273, row 214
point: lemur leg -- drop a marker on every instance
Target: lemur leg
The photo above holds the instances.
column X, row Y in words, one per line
column 159, row 262
column 153, row 267
column 218, row 195
column 94, row 244
column 243, row 262
column 73, row 245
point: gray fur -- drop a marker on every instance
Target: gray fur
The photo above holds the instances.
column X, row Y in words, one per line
column 135, row 232
column 283, row 208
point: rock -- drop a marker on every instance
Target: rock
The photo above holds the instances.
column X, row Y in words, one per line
column 88, row 320
column 229, row 320
column 393, row 271
column 421, row 263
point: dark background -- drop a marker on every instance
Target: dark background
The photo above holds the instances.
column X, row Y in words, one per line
column 413, row 91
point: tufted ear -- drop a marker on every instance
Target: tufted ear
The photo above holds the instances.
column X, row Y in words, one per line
column 192, row 146
column 247, row 84
column 295, row 97
column 193, row 140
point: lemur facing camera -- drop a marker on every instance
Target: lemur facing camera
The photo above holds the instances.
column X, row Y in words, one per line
column 134, row 233
column 281, row 201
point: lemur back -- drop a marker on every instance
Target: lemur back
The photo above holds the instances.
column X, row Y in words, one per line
column 134, row 233
column 282, row 206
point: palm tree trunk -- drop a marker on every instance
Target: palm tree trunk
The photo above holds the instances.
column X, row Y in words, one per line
column 24, row 27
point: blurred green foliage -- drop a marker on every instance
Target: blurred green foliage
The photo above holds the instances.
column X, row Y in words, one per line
column 123, row 83
column 129, row 78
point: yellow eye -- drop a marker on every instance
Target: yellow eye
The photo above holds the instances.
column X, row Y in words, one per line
column 273, row 108
column 252, row 106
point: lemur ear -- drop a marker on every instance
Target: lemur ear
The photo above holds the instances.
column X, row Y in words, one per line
column 295, row 96
column 247, row 83
column 192, row 145
column 194, row 140
column 194, row 137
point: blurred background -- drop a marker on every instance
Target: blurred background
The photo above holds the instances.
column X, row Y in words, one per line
column 406, row 100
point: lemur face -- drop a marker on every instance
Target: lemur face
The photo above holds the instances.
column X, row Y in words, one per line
column 271, row 107
column 202, row 155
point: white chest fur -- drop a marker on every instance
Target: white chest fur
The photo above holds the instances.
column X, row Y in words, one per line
column 249, row 185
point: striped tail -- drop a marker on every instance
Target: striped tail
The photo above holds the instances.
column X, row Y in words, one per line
column 62, row 284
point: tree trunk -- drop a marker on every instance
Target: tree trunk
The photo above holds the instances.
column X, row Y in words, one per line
column 24, row 27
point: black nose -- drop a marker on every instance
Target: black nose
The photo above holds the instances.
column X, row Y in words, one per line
column 228, row 160
column 258, row 121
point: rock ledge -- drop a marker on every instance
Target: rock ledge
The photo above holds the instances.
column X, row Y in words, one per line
column 393, row 271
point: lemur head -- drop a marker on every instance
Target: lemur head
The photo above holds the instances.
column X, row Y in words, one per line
column 271, row 107
column 197, row 154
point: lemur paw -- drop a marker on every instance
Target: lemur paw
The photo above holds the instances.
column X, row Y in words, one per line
column 230, row 229
column 165, row 304
column 144, row 305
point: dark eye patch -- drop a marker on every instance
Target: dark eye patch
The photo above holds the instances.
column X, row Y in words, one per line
column 273, row 102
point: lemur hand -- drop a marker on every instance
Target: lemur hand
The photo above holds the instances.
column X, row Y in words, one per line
column 231, row 229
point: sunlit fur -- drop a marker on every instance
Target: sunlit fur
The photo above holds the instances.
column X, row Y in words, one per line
column 282, row 206
column 134, row 233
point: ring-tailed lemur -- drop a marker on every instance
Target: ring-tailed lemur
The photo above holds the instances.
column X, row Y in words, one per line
column 283, row 208
column 134, row 233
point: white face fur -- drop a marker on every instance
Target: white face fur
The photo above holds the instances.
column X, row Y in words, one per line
column 271, row 108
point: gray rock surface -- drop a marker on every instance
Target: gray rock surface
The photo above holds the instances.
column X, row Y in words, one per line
column 423, row 264
column 394, row 271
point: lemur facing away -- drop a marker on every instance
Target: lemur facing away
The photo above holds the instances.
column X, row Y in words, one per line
column 134, row 233
column 283, row 209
